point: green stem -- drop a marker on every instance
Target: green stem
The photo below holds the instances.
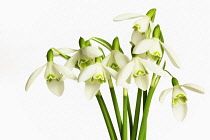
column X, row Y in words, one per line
column 106, row 115
column 130, row 117
column 125, row 106
column 61, row 54
column 146, row 112
column 144, row 102
column 137, row 113
column 115, row 104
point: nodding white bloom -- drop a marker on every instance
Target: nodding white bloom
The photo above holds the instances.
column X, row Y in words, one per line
column 84, row 57
column 153, row 47
column 179, row 98
column 136, row 68
column 141, row 25
column 93, row 76
column 137, row 37
column 115, row 60
column 54, row 75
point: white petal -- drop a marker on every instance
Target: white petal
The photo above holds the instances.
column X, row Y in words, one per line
column 65, row 71
column 172, row 56
column 194, row 87
column 33, row 77
column 144, row 24
column 153, row 67
column 72, row 61
column 111, row 72
column 163, row 94
column 106, row 60
column 137, row 37
column 144, row 46
column 127, row 16
column 56, row 87
column 91, row 89
column 177, row 90
column 49, row 69
column 125, row 73
column 87, row 73
column 91, row 52
column 64, row 51
column 179, row 111
column 142, row 82
column 121, row 59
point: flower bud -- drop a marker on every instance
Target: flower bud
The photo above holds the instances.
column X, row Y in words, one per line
column 156, row 32
column 50, row 55
column 174, row 81
column 116, row 44
column 151, row 13
column 81, row 42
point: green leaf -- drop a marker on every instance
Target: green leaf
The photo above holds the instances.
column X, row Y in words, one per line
column 102, row 42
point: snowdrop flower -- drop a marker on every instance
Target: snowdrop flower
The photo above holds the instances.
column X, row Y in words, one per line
column 93, row 76
column 179, row 97
column 136, row 68
column 54, row 75
column 153, row 47
column 115, row 60
column 84, row 57
column 141, row 26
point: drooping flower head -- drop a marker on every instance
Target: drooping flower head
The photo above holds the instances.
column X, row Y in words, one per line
column 141, row 27
column 179, row 97
column 136, row 68
column 94, row 75
column 116, row 59
column 54, row 75
column 153, row 47
column 84, row 56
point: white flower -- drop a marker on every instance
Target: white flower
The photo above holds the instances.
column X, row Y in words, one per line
column 179, row 99
column 153, row 46
column 84, row 57
column 141, row 25
column 54, row 75
column 93, row 76
column 136, row 69
column 115, row 60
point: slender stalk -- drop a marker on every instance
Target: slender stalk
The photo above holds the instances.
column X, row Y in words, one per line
column 136, row 116
column 146, row 112
column 130, row 117
column 144, row 101
column 106, row 115
column 61, row 54
column 125, row 106
column 115, row 104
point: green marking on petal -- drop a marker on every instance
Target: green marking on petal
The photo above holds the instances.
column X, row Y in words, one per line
column 99, row 78
column 115, row 66
column 136, row 27
column 51, row 77
column 175, row 101
column 82, row 63
column 183, row 99
column 180, row 98
column 138, row 73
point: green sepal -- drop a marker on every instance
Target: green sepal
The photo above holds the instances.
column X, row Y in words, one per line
column 151, row 13
column 174, row 81
column 116, row 44
column 50, row 55
column 82, row 42
column 87, row 43
column 156, row 32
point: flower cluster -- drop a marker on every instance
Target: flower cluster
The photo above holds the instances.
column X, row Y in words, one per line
column 96, row 68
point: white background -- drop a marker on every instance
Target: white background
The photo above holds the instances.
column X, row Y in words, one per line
column 28, row 28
